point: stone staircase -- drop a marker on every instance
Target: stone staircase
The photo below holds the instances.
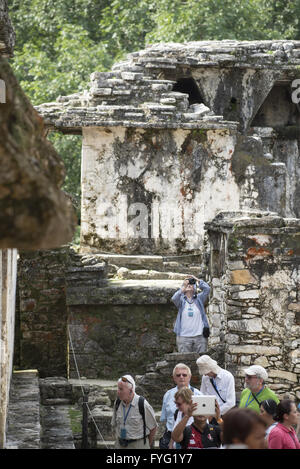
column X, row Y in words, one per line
column 35, row 420
column 138, row 267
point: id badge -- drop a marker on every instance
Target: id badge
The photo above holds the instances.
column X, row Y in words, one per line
column 123, row 433
column 190, row 314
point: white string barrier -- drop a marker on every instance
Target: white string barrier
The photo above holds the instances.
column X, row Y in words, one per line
column 81, row 385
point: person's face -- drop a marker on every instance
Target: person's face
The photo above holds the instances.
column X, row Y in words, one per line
column 189, row 288
column 253, row 383
column 181, row 405
column 265, row 416
column 181, row 377
column 200, row 420
column 124, row 391
column 292, row 417
column 256, row 439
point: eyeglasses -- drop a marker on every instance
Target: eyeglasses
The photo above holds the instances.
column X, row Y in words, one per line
column 181, row 374
column 251, row 376
column 178, row 403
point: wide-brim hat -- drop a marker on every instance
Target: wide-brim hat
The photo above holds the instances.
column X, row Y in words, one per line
column 207, row 365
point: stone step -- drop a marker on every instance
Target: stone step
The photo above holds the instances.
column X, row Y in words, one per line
column 146, row 262
column 55, row 391
column 38, row 413
column 124, row 292
column 23, row 421
column 126, row 274
column 56, row 428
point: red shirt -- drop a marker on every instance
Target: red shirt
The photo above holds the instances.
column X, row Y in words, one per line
column 282, row 437
column 195, row 439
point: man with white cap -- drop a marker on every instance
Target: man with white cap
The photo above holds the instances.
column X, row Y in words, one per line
column 256, row 391
column 133, row 417
column 216, row 382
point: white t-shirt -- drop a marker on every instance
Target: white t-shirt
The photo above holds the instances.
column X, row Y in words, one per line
column 191, row 320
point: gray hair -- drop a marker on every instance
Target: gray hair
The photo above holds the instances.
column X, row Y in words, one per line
column 182, row 365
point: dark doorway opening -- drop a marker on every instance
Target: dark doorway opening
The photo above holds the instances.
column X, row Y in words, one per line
column 190, row 87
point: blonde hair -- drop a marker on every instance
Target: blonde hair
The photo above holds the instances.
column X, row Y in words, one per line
column 185, row 394
column 182, row 365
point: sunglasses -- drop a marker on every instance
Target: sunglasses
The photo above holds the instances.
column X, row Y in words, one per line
column 125, row 380
column 181, row 374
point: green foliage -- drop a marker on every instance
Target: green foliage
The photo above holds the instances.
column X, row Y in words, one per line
column 69, row 146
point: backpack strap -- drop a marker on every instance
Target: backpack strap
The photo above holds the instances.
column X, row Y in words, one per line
column 142, row 412
column 175, row 414
column 117, row 403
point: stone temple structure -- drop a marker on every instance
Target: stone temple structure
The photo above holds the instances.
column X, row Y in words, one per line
column 190, row 164
column 178, row 132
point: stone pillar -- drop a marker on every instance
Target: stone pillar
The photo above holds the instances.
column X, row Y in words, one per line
column 8, row 274
column 255, row 304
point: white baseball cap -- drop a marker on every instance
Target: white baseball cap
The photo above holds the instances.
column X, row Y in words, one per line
column 257, row 370
column 129, row 379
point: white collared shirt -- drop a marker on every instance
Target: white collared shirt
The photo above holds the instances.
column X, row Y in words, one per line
column 226, row 387
column 134, row 422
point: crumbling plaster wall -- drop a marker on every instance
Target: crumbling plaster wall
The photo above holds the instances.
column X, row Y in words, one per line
column 168, row 181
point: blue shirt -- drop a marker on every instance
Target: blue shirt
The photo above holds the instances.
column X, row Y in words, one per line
column 169, row 406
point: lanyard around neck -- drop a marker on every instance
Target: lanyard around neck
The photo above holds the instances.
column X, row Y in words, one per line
column 254, row 396
column 125, row 416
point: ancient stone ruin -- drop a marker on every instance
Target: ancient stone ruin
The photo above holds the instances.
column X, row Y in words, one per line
column 190, row 163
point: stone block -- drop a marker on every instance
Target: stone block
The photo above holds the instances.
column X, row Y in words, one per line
column 254, row 350
column 262, row 361
column 246, row 325
column 294, row 307
column 285, row 375
column 242, row 277
column 246, row 295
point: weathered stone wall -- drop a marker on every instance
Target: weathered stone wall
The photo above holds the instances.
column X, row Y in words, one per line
column 42, row 315
column 87, row 304
column 254, row 309
column 8, row 275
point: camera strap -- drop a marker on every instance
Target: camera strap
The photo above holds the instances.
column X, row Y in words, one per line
column 216, row 389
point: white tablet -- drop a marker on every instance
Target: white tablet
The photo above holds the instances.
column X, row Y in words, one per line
column 206, row 405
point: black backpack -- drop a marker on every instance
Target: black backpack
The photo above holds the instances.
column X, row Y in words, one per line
column 141, row 410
